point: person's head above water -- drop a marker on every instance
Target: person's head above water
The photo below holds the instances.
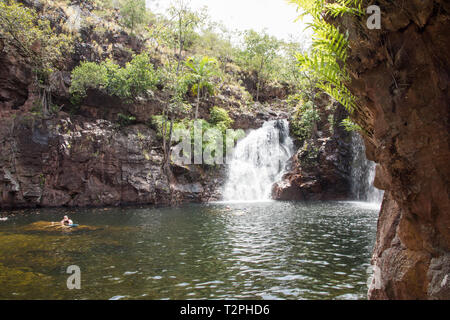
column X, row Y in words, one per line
column 66, row 220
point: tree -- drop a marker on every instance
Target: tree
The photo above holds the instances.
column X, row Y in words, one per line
column 176, row 85
column 185, row 22
column 133, row 14
column 32, row 37
column 215, row 41
column 202, row 70
column 259, row 52
column 181, row 27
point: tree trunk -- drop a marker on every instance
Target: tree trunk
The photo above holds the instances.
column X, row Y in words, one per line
column 257, row 89
column 168, row 145
column 198, row 101
column 258, row 79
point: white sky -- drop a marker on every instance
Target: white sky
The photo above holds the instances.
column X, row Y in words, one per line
column 276, row 16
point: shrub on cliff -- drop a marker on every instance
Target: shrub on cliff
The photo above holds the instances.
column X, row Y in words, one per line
column 136, row 79
column 219, row 116
column 211, row 131
column 327, row 59
column 304, row 121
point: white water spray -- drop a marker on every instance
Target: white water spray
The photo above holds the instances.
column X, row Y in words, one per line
column 259, row 160
column 363, row 174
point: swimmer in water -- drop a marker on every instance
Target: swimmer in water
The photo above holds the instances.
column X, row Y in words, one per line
column 66, row 221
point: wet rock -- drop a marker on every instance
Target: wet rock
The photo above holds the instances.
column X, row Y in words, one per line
column 320, row 169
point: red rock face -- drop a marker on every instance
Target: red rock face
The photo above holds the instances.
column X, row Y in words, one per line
column 320, row 170
column 80, row 162
column 401, row 73
column 325, row 176
column 15, row 80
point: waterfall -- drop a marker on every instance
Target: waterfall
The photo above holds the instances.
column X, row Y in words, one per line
column 363, row 174
column 258, row 161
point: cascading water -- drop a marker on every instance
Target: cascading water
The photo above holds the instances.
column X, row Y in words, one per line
column 363, row 174
column 259, row 161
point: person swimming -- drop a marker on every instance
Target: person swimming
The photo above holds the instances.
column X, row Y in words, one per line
column 66, row 221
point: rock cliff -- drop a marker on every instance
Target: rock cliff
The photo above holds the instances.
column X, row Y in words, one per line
column 401, row 75
column 321, row 167
column 72, row 161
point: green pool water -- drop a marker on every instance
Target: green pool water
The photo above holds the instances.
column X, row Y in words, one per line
column 270, row 250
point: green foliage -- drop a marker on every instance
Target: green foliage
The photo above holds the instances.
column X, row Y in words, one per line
column 259, row 53
column 126, row 120
column 222, row 129
column 342, row 7
column 201, row 72
column 185, row 21
column 219, row 116
column 215, row 41
column 350, row 126
column 87, row 75
column 33, row 38
column 157, row 122
column 175, row 85
column 329, row 50
column 331, row 123
column 141, row 75
column 259, row 50
column 303, row 120
column 137, row 78
column 134, row 14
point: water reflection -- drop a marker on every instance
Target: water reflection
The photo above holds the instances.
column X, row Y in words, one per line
column 271, row 250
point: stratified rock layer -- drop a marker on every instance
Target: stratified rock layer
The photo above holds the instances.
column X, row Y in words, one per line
column 401, row 74
column 81, row 162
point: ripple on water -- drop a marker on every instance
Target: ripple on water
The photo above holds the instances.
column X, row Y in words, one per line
column 277, row 250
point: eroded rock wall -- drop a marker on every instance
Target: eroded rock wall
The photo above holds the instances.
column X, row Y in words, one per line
column 401, row 75
column 74, row 161
column 321, row 167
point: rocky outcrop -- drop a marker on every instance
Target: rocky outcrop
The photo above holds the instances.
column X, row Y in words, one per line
column 318, row 172
column 77, row 162
column 320, row 169
column 401, row 75
column 15, row 81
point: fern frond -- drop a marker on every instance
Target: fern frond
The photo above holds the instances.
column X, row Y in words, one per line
column 310, row 7
column 341, row 94
column 350, row 126
column 329, row 40
column 329, row 48
column 342, row 7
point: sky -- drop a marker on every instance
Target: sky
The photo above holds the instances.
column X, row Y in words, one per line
column 276, row 16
